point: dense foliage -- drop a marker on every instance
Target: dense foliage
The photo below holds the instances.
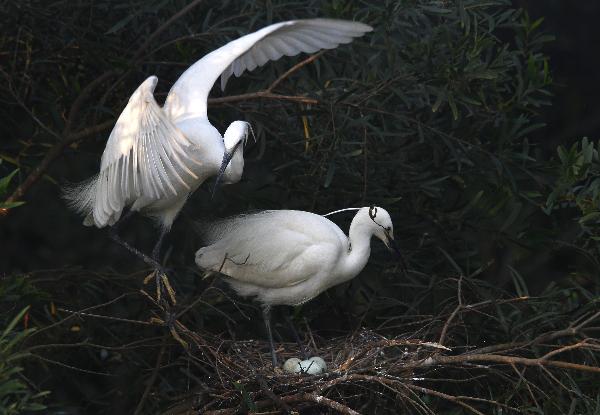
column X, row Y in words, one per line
column 433, row 116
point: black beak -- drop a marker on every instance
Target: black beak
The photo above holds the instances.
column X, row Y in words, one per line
column 393, row 247
column 226, row 159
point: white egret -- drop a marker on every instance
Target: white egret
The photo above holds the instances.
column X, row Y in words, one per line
column 156, row 157
column 287, row 257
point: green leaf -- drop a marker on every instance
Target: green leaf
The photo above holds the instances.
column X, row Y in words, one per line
column 13, row 323
column 10, row 205
column 121, row 24
column 5, row 181
column 590, row 217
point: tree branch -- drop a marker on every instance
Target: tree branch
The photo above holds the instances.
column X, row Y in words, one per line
column 453, row 314
column 510, row 360
column 262, row 94
column 162, row 28
column 161, row 352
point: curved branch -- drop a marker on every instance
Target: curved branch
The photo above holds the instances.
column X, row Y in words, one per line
column 510, row 360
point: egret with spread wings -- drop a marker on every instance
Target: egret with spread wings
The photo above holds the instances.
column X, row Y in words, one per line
column 156, row 157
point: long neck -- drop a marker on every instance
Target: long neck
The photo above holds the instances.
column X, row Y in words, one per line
column 208, row 143
column 235, row 168
column 355, row 260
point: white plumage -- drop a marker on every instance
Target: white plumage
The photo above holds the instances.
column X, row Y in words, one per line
column 155, row 157
column 287, row 257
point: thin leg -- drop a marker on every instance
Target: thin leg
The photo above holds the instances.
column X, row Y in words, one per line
column 135, row 251
column 156, row 250
column 296, row 336
column 159, row 271
column 267, row 319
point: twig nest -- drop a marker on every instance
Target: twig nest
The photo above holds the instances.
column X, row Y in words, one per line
column 312, row 366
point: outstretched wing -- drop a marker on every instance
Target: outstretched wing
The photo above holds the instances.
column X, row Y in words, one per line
column 146, row 156
column 188, row 95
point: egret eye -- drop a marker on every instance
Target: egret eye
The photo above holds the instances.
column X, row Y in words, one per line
column 389, row 229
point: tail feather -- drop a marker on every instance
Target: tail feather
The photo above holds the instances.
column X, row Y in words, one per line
column 81, row 197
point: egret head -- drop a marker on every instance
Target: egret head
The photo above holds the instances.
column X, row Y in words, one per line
column 382, row 227
column 232, row 165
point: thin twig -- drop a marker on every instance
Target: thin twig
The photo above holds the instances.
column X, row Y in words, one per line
column 293, row 69
column 119, row 319
column 262, row 94
column 161, row 352
column 114, row 300
column 463, row 358
column 453, row 314
column 276, row 399
column 55, row 362
column 451, row 398
column 162, row 28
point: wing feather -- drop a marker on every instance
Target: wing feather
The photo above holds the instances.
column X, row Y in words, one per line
column 189, row 94
column 269, row 249
column 145, row 156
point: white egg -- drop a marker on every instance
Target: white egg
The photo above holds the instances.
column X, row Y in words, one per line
column 292, row 365
column 319, row 361
column 312, row 366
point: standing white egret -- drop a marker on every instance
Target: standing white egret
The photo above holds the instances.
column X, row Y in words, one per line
column 287, row 257
column 156, row 157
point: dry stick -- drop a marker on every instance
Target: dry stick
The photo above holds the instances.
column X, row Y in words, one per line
column 140, row 406
column 290, row 399
column 293, row 69
column 77, row 369
column 509, row 360
column 100, row 316
column 114, row 300
column 262, row 94
column 580, row 345
column 162, row 28
column 15, row 95
column 526, row 382
column 76, row 107
column 268, row 93
column 451, row 398
column 387, row 381
column 54, row 152
column 572, row 330
column 271, row 395
column 321, row 400
column 92, row 345
column 556, row 380
column 456, row 310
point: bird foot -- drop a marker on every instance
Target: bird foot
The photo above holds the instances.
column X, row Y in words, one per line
column 164, row 290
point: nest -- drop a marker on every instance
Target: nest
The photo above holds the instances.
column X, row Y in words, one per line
column 370, row 373
column 507, row 355
column 245, row 380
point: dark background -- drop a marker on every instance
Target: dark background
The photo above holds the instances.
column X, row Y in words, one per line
column 509, row 246
column 40, row 234
column 575, row 111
